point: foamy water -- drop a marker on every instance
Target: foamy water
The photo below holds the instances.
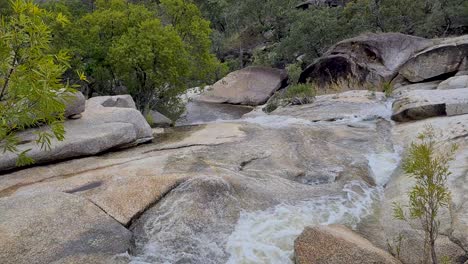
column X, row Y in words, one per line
column 382, row 165
column 268, row 236
column 265, row 236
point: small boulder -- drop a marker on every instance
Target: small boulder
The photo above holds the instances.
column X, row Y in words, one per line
column 53, row 227
column 120, row 101
column 74, row 104
column 421, row 104
column 337, row 244
column 159, row 120
column 444, row 58
column 249, row 86
column 456, row 82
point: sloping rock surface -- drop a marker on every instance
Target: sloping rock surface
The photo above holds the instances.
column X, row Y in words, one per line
column 58, row 228
column 337, row 244
column 249, row 86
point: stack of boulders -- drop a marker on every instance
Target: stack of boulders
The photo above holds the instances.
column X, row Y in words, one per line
column 93, row 126
column 411, row 64
column 390, row 57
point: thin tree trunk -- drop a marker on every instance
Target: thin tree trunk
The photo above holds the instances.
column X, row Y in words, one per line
column 7, row 79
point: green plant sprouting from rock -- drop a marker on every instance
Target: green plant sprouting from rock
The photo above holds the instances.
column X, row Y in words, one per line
column 296, row 94
column 427, row 161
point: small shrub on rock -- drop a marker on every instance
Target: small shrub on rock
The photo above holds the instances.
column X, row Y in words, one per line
column 427, row 161
column 297, row 94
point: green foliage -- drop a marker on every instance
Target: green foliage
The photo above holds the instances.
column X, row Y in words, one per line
column 296, row 94
column 31, row 91
column 300, row 90
column 152, row 62
column 427, row 162
column 195, row 33
column 294, row 72
column 241, row 27
column 110, row 44
column 387, row 88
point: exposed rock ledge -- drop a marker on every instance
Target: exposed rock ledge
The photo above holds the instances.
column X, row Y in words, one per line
column 107, row 122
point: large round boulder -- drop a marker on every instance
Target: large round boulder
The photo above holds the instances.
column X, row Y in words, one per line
column 249, row 86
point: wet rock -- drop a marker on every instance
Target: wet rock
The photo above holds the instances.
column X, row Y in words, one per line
column 249, row 86
column 337, row 244
column 421, row 104
column 457, row 82
column 159, row 120
column 123, row 184
column 58, row 228
column 100, row 128
column 367, row 58
column 443, row 58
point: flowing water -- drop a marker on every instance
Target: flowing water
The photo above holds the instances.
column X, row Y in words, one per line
column 263, row 236
column 268, row 236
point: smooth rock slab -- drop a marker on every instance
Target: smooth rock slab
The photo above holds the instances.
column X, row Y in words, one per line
column 337, row 244
column 249, row 86
column 457, row 82
column 421, row 104
column 52, row 227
